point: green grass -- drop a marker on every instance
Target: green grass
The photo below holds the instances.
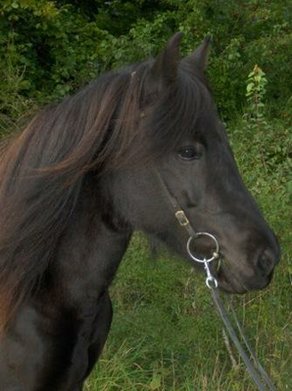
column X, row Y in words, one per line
column 166, row 335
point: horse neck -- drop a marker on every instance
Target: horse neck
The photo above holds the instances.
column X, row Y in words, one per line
column 91, row 249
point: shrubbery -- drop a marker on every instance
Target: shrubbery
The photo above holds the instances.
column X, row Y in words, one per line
column 50, row 48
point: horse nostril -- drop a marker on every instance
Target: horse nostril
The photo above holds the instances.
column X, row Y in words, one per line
column 267, row 261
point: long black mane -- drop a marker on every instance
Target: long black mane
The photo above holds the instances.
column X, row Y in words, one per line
column 122, row 118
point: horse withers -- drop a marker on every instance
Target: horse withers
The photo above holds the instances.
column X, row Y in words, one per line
column 81, row 177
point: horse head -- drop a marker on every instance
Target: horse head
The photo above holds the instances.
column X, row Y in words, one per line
column 191, row 155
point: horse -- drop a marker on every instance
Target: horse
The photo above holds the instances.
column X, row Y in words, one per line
column 82, row 177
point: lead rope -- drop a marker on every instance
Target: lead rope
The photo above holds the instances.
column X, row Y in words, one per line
column 255, row 369
column 251, row 351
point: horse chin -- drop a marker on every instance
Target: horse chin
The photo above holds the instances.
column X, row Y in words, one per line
column 229, row 282
column 229, row 286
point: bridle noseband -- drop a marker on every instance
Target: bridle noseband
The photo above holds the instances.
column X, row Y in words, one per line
column 254, row 368
column 184, row 222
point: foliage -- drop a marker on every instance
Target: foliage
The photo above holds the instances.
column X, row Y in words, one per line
column 46, row 41
column 59, row 45
column 255, row 93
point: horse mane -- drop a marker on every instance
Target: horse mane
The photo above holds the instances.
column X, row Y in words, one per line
column 42, row 169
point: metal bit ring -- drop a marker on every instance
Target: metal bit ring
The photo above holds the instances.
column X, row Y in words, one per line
column 215, row 254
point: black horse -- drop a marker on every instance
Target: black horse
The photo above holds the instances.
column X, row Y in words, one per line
column 77, row 182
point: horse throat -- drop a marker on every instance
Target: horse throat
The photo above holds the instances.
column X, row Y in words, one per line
column 91, row 249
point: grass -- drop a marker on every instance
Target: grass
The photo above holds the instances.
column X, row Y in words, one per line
column 166, row 335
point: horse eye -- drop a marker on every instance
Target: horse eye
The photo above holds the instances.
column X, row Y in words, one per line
column 190, row 152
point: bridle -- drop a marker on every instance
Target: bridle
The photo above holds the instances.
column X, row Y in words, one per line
column 184, row 222
column 254, row 368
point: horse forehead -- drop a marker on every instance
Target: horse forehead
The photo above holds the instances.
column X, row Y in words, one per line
column 209, row 127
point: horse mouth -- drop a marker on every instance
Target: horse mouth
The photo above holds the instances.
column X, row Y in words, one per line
column 229, row 282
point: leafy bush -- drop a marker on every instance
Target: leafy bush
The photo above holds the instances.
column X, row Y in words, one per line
column 56, row 46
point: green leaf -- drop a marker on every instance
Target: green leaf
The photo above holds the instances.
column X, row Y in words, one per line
column 249, row 87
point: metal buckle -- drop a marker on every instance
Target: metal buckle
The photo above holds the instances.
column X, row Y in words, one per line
column 182, row 218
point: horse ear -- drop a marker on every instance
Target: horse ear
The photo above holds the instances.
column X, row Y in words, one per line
column 199, row 57
column 166, row 64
